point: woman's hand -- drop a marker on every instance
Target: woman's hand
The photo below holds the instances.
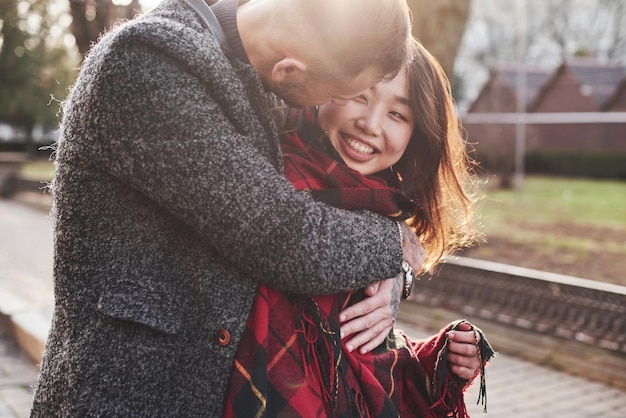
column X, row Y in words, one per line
column 370, row 320
column 463, row 355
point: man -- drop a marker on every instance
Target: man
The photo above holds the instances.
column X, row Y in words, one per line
column 170, row 205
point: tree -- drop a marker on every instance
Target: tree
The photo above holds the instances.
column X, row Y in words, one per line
column 614, row 11
column 594, row 28
column 34, row 70
column 440, row 25
column 90, row 18
column 556, row 29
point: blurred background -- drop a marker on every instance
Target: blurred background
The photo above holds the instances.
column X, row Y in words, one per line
column 541, row 90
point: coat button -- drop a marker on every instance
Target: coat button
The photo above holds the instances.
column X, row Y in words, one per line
column 223, row 337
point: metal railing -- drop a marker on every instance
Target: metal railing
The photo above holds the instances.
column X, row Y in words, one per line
column 586, row 311
column 544, row 118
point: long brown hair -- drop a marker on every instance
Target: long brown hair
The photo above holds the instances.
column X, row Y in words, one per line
column 435, row 169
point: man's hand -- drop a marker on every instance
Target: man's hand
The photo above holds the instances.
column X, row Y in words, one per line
column 463, row 355
column 412, row 250
column 371, row 319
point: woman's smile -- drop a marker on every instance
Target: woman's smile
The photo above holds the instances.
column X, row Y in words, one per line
column 360, row 148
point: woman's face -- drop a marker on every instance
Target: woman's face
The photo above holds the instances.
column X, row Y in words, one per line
column 371, row 131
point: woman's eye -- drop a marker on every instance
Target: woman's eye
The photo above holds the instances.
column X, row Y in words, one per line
column 360, row 98
column 399, row 116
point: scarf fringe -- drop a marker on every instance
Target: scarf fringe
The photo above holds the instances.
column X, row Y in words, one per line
column 322, row 352
column 448, row 389
column 320, row 349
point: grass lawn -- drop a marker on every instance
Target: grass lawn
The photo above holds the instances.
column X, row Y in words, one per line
column 38, row 170
column 569, row 226
column 554, row 199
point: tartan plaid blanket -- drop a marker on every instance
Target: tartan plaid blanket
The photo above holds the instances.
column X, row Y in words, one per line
column 291, row 361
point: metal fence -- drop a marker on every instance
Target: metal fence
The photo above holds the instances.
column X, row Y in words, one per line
column 585, row 311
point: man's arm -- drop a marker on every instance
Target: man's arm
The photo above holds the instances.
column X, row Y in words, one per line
column 180, row 149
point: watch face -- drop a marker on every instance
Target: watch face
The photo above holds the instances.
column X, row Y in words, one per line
column 408, row 279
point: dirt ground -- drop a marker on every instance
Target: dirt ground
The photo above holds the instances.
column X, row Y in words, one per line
column 603, row 260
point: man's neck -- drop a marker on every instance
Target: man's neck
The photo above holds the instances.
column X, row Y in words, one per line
column 254, row 23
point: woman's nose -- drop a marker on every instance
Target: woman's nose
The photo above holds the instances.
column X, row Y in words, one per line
column 370, row 124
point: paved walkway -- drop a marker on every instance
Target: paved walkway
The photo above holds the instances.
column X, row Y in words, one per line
column 515, row 388
column 17, row 377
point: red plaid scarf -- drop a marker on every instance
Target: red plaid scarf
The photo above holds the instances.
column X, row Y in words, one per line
column 291, row 361
column 312, row 164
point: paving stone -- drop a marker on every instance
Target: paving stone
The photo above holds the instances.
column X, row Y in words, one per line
column 18, row 375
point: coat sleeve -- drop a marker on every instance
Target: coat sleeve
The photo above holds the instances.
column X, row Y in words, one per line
column 143, row 118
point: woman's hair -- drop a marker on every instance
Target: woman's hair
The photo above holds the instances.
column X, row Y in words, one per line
column 435, row 170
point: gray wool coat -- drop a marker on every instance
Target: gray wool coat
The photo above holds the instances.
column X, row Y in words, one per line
column 169, row 209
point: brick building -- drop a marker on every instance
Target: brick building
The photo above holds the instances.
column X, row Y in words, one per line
column 577, row 85
column 495, row 143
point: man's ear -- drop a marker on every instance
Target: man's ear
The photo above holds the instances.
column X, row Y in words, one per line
column 288, row 69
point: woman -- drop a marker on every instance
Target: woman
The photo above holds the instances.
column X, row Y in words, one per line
column 395, row 149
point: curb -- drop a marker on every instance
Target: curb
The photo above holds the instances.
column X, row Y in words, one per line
column 28, row 329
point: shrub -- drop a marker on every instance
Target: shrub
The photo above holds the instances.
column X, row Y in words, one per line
column 591, row 164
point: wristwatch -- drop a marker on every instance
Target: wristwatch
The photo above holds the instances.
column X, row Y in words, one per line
column 408, row 279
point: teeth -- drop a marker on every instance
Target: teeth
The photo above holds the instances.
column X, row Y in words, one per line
column 359, row 146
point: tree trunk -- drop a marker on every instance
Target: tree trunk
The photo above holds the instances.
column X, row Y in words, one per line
column 90, row 18
column 439, row 25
